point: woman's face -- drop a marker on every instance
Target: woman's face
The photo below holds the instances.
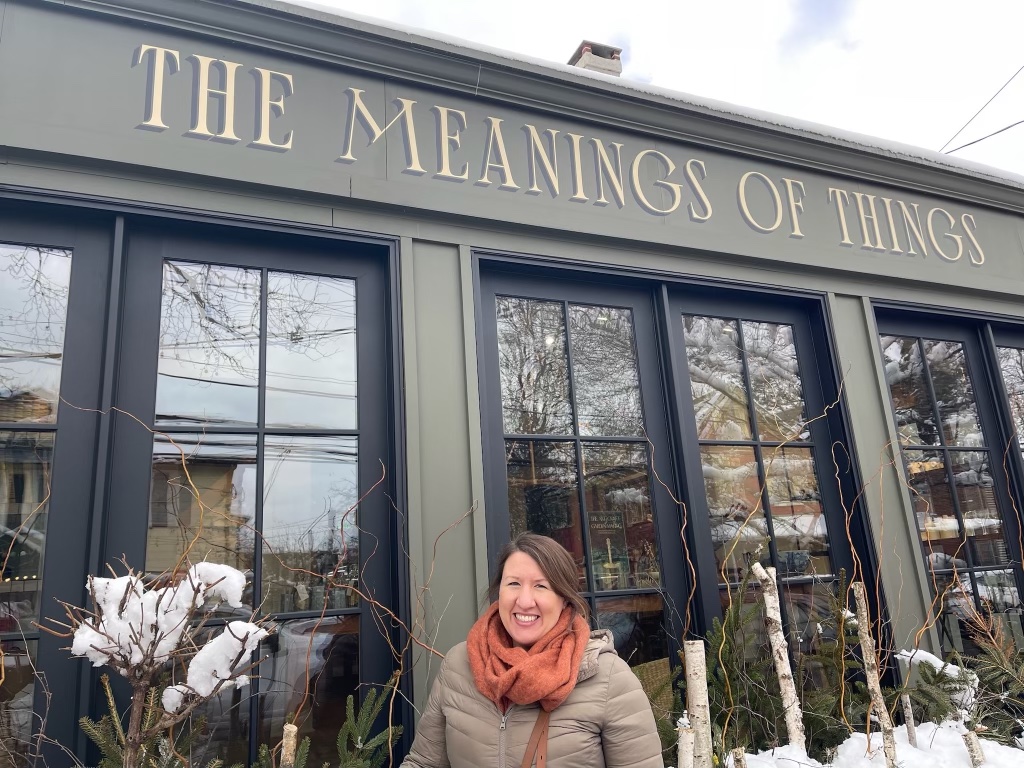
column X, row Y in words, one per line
column 527, row 604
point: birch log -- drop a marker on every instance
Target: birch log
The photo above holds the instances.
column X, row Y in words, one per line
column 697, row 701
column 291, row 733
column 739, row 758
column 867, row 647
column 684, row 746
column 908, row 715
column 974, row 752
column 780, row 654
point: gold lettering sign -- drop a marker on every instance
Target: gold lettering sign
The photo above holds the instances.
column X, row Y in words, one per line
column 588, row 170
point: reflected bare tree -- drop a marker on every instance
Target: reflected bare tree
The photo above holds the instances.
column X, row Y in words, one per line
column 34, row 285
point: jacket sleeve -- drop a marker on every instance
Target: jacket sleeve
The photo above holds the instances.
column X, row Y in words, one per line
column 430, row 748
column 629, row 736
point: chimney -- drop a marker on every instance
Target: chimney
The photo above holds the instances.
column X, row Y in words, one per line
column 598, row 58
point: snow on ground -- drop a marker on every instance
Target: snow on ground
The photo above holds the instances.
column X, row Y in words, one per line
column 938, row 746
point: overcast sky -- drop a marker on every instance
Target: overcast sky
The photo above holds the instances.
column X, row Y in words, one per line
column 912, row 71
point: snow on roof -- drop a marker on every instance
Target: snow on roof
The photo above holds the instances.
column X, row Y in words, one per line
column 705, row 106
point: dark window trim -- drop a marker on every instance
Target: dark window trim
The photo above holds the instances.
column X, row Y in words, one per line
column 814, row 304
column 108, row 220
column 979, row 333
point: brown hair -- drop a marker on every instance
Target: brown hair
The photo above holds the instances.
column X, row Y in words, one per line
column 555, row 563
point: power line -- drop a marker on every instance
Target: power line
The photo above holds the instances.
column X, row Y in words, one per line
column 943, row 147
column 989, row 136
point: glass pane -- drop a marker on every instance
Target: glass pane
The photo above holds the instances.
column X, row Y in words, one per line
column 311, row 352
column 25, row 461
column 16, row 691
column 801, row 534
column 617, row 495
column 904, row 373
column 226, row 730
column 715, row 363
column 534, row 367
column 1011, row 363
column 605, row 371
column 33, row 306
column 747, row 622
column 209, row 345
column 213, row 521
column 637, row 624
column 310, row 522
column 733, row 489
column 954, row 393
column 998, row 592
column 812, row 623
column 968, row 598
column 543, row 494
column 775, row 381
column 312, row 667
column 933, row 508
column 975, row 493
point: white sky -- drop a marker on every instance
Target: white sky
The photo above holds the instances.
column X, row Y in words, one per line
column 912, row 71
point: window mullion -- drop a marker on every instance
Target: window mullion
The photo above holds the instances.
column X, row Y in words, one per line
column 946, row 453
column 580, row 494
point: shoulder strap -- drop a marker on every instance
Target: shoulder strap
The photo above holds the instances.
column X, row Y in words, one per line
column 538, row 742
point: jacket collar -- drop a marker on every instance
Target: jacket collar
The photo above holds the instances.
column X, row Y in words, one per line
column 600, row 642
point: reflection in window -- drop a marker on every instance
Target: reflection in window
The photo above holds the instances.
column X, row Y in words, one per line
column 311, row 352
column 17, row 722
column 947, row 462
column 311, row 669
column 34, row 285
column 1011, row 365
column 760, row 474
column 607, row 385
column 25, row 460
column 251, row 493
column 534, row 367
column 757, row 456
column 34, row 289
column 203, row 501
column 210, row 339
column 209, row 345
column 569, row 375
column 310, row 526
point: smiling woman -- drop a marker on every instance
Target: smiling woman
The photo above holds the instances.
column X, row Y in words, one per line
column 532, row 683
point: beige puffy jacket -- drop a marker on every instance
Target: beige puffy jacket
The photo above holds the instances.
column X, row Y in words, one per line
column 606, row 722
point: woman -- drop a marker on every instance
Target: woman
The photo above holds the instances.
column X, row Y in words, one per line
column 532, row 685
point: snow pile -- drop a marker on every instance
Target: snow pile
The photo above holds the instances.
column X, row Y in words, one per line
column 216, row 664
column 939, row 746
column 134, row 625
column 963, row 699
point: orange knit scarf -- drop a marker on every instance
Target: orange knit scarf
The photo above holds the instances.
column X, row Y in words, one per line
column 545, row 674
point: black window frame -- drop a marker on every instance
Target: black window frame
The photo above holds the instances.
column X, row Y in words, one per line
column 75, row 485
column 372, row 263
column 677, row 460
column 980, row 335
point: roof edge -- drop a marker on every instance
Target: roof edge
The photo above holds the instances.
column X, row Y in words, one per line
column 477, row 71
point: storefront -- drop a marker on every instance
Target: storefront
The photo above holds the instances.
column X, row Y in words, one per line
column 391, row 300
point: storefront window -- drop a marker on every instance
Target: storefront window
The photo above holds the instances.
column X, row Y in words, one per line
column 577, row 463
column 667, row 447
column 948, row 461
column 255, row 465
column 758, row 461
column 34, row 284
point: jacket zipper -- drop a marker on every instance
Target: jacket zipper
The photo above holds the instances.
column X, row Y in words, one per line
column 501, row 738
